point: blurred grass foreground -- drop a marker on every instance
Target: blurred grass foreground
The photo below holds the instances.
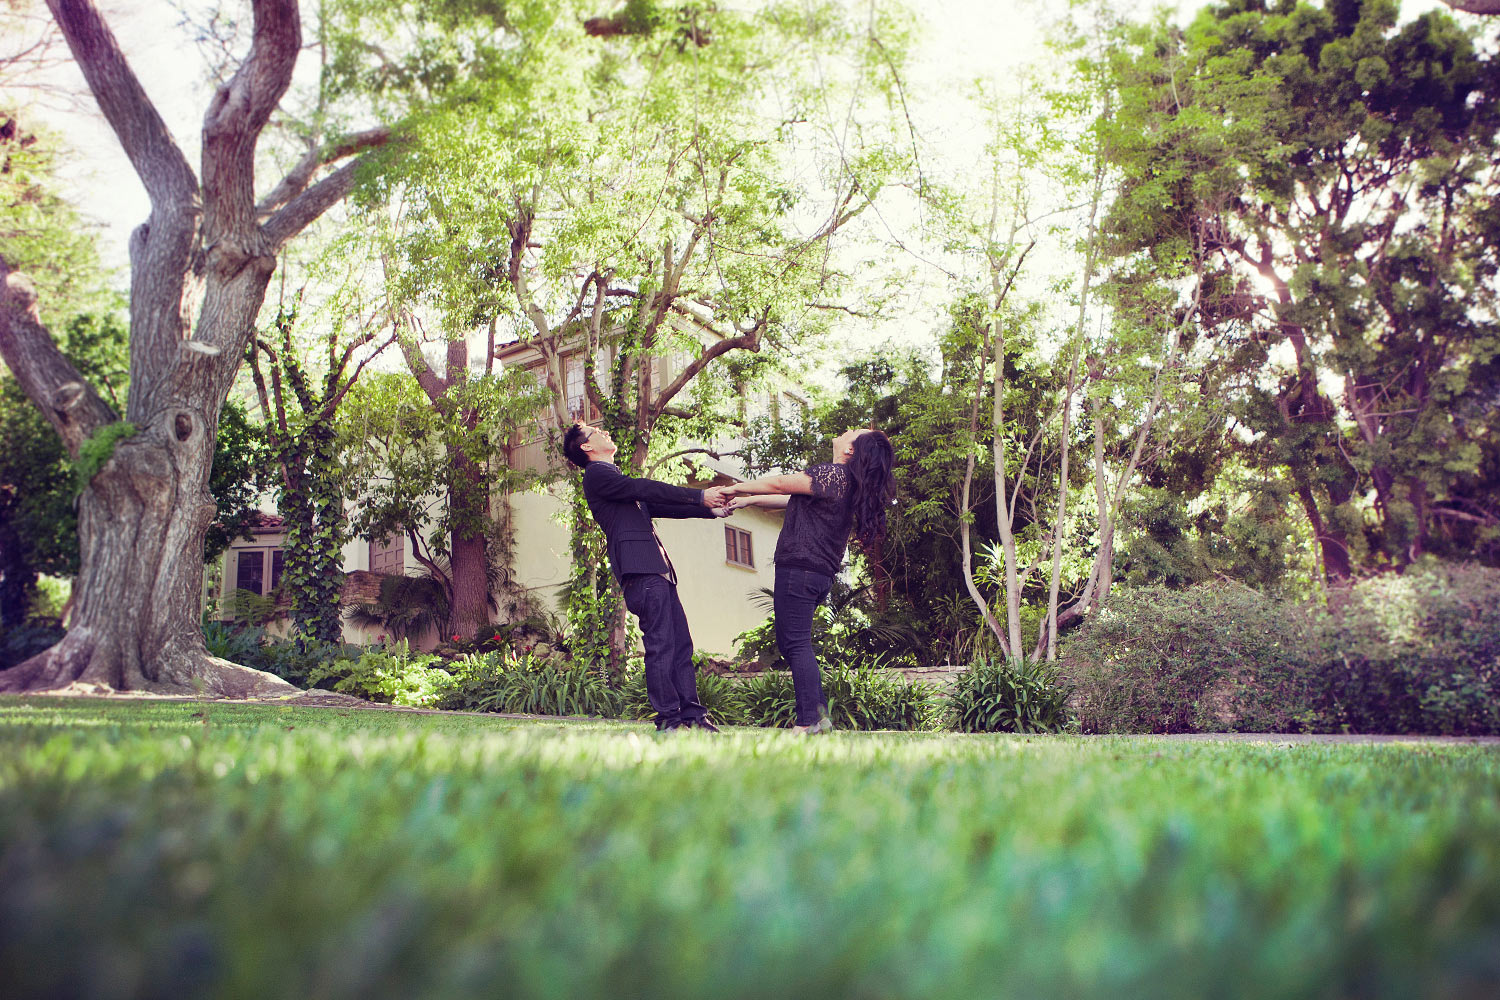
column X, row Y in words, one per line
column 176, row 850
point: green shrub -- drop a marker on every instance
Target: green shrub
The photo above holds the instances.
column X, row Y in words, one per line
column 723, row 696
column 476, row 676
column 1416, row 653
column 235, row 643
column 869, row 695
column 846, row 626
column 394, row 675
column 1211, row 658
column 549, row 687
column 1009, row 696
column 861, row 695
column 296, row 662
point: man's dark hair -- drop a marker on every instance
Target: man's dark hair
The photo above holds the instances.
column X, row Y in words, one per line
column 572, row 446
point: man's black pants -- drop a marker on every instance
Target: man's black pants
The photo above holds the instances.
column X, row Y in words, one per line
column 671, row 680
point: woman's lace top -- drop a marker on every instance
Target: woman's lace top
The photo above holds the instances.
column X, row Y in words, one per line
column 816, row 530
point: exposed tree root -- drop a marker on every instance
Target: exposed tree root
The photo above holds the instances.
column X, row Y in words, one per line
column 83, row 663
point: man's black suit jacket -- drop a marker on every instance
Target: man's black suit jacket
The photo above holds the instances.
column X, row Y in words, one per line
column 624, row 507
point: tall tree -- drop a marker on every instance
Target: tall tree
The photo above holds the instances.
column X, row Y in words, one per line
column 208, row 247
column 621, row 190
column 1339, row 168
column 300, row 412
column 427, row 460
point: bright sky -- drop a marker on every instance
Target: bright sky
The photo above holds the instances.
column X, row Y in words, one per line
column 964, row 40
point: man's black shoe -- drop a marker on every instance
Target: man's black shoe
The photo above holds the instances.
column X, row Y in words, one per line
column 701, row 724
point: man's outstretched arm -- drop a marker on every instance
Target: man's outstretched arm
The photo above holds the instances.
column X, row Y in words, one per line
column 609, row 483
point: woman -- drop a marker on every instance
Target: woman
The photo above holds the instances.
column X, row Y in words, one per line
column 822, row 505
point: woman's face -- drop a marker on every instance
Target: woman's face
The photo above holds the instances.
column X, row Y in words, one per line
column 844, row 443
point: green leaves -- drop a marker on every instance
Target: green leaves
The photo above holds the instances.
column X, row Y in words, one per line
column 1336, row 168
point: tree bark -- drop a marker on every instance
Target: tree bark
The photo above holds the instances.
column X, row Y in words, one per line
column 468, row 555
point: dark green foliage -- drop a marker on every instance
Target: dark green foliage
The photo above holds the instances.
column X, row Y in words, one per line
column 394, row 675
column 868, row 695
column 1212, row 658
column 238, row 473
column 503, row 681
column 534, row 685
column 246, row 607
column 863, row 695
column 848, row 625
column 1275, row 139
column 541, row 687
column 769, row 699
column 724, row 696
column 475, row 678
column 406, row 607
column 591, row 599
column 1417, row 653
column 1009, row 696
column 21, row 642
column 269, row 851
column 302, row 443
column 233, row 642
column 296, row 662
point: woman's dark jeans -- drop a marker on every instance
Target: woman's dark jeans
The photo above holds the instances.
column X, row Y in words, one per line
column 798, row 592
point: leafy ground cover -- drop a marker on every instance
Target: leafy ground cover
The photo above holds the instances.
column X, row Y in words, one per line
column 184, row 849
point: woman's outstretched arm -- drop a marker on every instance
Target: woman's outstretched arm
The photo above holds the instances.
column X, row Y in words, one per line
column 792, row 482
column 766, row 501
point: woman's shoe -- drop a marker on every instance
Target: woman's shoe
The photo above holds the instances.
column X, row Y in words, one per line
column 823, row 725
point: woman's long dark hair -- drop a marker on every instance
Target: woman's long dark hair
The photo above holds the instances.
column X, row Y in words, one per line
column 870, row 465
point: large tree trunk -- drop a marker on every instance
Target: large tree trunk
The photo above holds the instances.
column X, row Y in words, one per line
column 210, row 247
column 140, row 532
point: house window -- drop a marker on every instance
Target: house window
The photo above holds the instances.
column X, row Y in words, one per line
column 573, row 384
column 258, row 570
column 793, row 412
column 388, row 556
column 737, row 547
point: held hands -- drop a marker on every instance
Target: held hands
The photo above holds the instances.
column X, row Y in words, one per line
column 718, row 498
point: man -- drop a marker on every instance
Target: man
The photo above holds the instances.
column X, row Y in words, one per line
column 623, row 507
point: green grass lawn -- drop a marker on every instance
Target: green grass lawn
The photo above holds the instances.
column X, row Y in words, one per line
column 175, row 849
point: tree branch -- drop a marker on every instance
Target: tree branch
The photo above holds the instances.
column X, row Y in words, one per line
column 717, row 455
column 302, row 210
column 749, row 341
column 48, row 378
column 297, row 179
column 239, row 111
column 162, row 168
column 1475, row 6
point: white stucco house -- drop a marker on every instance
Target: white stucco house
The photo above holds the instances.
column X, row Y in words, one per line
column 720, row 563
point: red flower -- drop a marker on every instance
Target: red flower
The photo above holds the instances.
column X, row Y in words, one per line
column 497, row 637
column 457, row 637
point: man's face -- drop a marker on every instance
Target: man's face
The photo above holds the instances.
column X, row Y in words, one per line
column 597, row 443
